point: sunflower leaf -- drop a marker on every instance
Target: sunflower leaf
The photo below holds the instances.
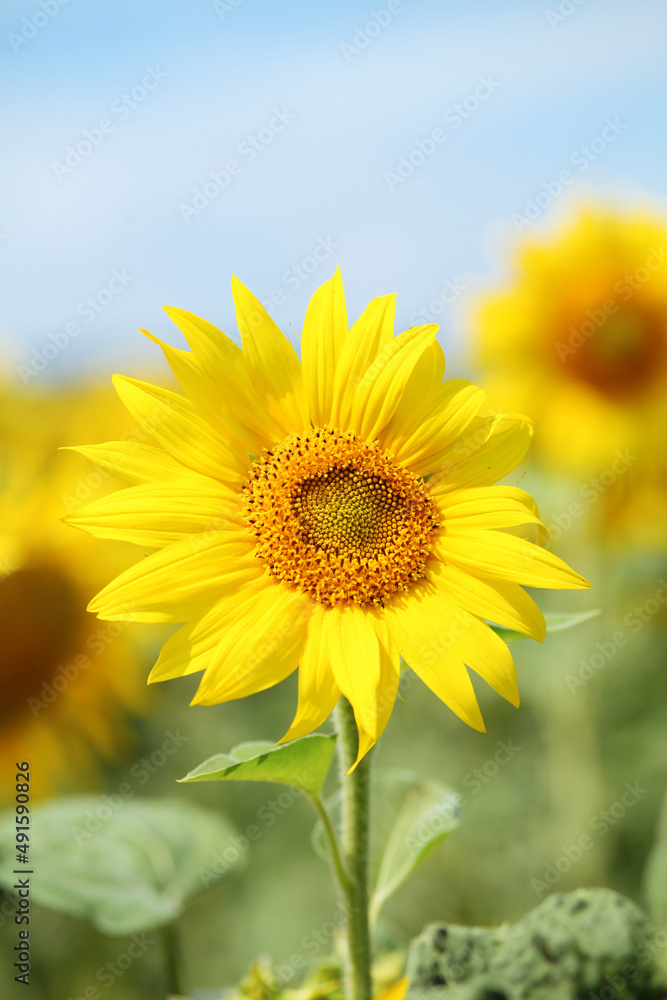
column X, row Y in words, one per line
column 557, row 621
column 303, row 763
column 411, row 817
column 125, row 865
column 428, row 814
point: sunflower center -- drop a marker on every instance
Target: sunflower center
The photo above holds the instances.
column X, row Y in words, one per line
column 39, row 622
column 624, row 353
column 338, row 518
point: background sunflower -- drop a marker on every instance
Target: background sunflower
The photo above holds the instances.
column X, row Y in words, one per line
column 580, row 341
column 68, row 688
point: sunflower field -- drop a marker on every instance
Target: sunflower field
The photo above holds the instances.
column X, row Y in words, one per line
column 333, row 604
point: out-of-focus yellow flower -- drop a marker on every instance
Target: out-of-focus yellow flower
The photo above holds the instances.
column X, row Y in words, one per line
column 65, row 682
column 397, row 991
column 580, row 343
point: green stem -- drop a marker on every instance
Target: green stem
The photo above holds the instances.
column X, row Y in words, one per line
column 343, row 881
column 170, row 950
column 356, row 800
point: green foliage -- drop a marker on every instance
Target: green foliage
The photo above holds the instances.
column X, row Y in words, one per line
column 655, row 874
column 589, row 943
column 303, row 763
column 556, row 622
column 425, row 813
column 411, row 816
column 126, row 868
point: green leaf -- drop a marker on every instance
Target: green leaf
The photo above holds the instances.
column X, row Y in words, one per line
column 411, row 817
column 557, row 621
column 126, row 865
column 303, row 763
column 428, row 813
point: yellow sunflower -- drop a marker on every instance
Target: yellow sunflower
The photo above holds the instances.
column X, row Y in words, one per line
column 333, row 514
column 66, row 683
column 580, row 342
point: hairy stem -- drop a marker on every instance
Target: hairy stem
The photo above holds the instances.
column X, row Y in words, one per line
column 355, row 831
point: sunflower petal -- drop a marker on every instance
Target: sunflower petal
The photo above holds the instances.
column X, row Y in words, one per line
column 318, row 691
column 496, row 600
column 422, row 632
column 168, row 583
column 259, row 648
column 224, row 361
column 378, row 393
column 363, row 669
column 205, row 396
column 424, row 380
column 496, row 555
column 422, row 441
column 272, row 362
column 371, row 332
column 172, row 421
column 190, row 649
column 489, row 450
column 324, row 334
column 137, row 463
column 156, row 514
column 480, row 649
column 488, row 507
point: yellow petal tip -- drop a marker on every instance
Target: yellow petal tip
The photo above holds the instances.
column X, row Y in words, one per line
column 151, row 336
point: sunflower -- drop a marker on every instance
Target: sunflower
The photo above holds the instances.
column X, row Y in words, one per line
column 66, row 683
column 333, row 514
column 580, row 342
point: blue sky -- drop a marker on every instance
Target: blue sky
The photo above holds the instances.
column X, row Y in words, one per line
column 328, row 106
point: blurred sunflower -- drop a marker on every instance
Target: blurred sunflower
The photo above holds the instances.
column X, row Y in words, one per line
column 580, row 342
column 65, row 683
column 332, row 514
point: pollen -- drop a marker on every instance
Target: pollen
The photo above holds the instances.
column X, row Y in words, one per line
column 338, row 518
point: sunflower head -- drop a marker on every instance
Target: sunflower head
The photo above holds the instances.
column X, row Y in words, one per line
column 332, row 512
column 580, row 340
column 68, row 684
